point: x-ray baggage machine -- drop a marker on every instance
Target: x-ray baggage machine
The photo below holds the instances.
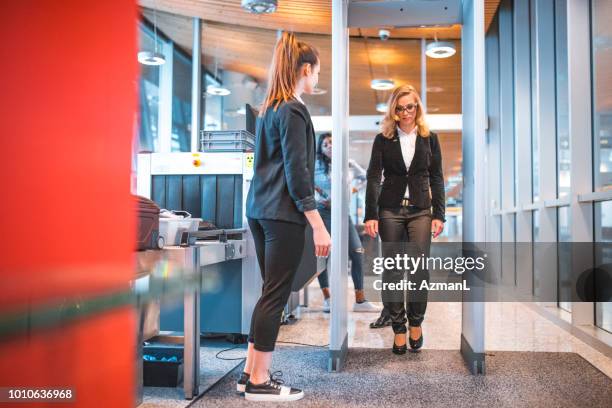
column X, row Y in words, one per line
column 212, row 186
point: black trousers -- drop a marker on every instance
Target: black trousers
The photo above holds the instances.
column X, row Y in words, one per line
column 279, row 246
column 405, row 230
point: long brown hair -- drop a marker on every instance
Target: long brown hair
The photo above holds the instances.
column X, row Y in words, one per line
column 289, row 57
column 389, row 122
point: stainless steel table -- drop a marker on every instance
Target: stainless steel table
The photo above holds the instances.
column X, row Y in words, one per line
column 189, row 262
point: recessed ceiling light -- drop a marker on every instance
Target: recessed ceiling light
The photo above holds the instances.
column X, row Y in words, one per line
column 440, row 49
column 260, row 6
column 384, row 34
column 381, row 107
column 217, row 90
column 151, row 58
column 382, row 84
column 432, row 109
column 319, row 91
column 434, row 89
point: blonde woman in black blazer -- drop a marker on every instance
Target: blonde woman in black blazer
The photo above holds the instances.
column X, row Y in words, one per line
column 408, row 207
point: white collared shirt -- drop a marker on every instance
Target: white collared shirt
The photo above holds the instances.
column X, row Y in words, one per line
column 408, row 145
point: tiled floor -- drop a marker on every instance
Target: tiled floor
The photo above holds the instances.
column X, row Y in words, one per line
column 509, row 327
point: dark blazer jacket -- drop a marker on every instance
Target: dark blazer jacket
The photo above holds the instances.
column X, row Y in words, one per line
column 425, row 173
column 283, row 180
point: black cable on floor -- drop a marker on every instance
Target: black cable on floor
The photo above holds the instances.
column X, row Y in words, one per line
column 282, row 342
column 229, row 359
column 304, row 344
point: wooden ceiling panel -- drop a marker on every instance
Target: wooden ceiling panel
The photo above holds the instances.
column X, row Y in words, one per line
column 308, row 16
column 304, row 16
column 249, row 50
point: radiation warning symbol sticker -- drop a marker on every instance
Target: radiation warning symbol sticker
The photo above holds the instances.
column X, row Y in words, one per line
column 249, row 159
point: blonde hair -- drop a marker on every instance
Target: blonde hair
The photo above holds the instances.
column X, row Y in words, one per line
column 389, row 122
column 289, row 57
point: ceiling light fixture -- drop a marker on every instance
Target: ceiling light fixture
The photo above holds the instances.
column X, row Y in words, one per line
column 440, row 49
column 382, row 84
column 260, row 6
column 378, row 84
column 152, row 57
column 381, row 107
column 384, row 34
column 319, row 91
column 215, row 90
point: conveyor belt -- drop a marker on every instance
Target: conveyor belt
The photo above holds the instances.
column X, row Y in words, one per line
column 191, row 237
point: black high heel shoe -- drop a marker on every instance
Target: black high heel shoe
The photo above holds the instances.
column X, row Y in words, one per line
column 415, row 345
column 399, row 349
column 382, row 321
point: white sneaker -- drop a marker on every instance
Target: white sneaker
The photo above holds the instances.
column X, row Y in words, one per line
column 365, row 307
column 326, row 305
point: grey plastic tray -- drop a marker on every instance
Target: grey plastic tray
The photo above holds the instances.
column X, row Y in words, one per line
column 226, row 141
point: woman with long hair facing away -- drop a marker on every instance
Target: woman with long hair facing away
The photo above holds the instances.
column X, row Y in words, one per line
column 408, row 208
column 280, row 201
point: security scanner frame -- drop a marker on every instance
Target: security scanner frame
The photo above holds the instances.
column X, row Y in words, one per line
column 470, row 14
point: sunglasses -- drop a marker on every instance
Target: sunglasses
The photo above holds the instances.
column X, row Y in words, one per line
column 407, row 108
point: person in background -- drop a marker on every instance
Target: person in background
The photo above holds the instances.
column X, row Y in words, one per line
column 281, row 200
column 408, row 209
column 323, row 196
column 383, row 320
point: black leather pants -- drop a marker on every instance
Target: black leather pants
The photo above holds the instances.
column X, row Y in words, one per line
column 405, row 230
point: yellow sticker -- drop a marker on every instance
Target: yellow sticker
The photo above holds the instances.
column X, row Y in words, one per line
column 249, row 160
column 197, row 162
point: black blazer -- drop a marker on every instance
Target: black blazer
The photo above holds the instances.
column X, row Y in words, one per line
column 425, row 172
column 283, row 180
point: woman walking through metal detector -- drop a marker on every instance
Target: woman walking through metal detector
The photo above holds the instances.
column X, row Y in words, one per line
column 280, row 202
column 408, row 210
